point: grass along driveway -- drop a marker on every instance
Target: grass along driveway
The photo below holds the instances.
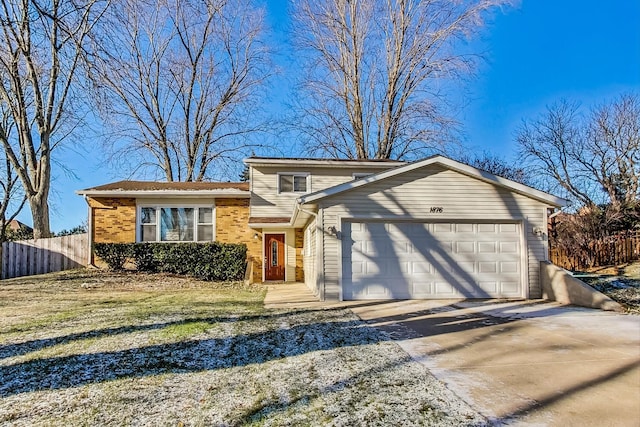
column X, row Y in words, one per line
column 621, row 283
column 91, row 348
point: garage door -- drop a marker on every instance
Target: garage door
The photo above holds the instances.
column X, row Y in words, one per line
column 431, row 260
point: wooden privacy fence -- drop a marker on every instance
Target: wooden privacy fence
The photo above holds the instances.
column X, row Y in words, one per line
column 616, row 249
column 29, row 257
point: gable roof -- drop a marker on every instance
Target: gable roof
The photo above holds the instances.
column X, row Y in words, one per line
column 446, row 163
column 154, row 188
column 16, row 225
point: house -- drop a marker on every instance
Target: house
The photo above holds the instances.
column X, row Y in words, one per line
column 15, row 225
column 349, row 229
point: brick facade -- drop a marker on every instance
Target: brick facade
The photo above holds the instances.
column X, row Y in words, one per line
column 113, row 219
column 232, row 226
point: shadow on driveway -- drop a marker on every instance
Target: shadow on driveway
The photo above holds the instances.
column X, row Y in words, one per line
column 525, row 361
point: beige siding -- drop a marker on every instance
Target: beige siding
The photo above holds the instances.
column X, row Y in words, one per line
column 310, row 259
column 265, row 200
column 411, row 196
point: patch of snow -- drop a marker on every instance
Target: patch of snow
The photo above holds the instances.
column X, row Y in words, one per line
column 618, row 284
column 278, row 368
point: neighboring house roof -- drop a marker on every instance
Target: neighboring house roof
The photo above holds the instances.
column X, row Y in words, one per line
column 152, row 188
column 16, row 225
column 330, row 163
column 445, row 162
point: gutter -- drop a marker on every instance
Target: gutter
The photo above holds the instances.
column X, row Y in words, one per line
column 327, row 163
column 164, row 193
column 299, row 209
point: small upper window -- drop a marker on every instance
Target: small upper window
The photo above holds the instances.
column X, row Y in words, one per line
column 290, row 183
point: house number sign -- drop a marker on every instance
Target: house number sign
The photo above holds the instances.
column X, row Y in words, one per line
column 436, row 209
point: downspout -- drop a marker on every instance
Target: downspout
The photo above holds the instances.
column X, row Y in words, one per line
column 319, row 254
column 548, row 242
column 305, row 211
column 89, row 233
column 555, row 214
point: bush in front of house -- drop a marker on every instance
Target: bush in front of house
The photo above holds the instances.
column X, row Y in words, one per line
column 179, row 258
column 143, row 257
column 228, row 261
column 207, row 261
column 114, row 254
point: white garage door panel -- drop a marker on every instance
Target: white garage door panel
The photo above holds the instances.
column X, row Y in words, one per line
column 431, row 260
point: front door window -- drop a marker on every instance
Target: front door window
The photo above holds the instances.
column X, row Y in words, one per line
column 274, row 253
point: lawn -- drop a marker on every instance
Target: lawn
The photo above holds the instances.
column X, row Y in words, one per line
column 95, row 348
column 622, row 284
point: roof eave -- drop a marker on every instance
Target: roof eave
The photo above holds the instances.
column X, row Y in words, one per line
column 166, row 193
column 270, row 224
column 322, row 163
column 514, row 186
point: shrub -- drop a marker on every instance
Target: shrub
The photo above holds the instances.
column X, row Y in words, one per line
column 177, row 258
column 143, row 257
column 228, row 262
column 207, row 261
column 114, row 254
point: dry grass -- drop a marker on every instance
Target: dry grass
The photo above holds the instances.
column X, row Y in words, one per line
column 90, row 348
column 621, row 283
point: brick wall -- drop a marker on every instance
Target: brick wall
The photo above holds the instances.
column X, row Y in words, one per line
column 232, row 226
column 113, row 219
column 299, row 259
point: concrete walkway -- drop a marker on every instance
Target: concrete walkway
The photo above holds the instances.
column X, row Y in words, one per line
column 522, row 363
column 297, row 295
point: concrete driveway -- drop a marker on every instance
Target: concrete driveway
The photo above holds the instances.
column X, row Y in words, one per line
column 526, row 362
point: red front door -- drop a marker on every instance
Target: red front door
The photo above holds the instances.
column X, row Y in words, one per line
column 274, row 257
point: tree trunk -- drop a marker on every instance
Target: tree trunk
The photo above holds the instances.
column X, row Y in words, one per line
column 40, row 213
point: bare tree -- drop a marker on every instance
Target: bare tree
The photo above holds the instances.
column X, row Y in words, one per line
column 371, row 77
column 594, row 157
column 42, row 45
column 12, row 198
column 181, row 81
column 498, row 166
column 613, row 139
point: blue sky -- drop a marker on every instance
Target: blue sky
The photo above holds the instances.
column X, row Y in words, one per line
column 535, row 53
column 542, row 51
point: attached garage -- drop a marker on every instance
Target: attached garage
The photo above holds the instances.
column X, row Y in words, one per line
column 432, row 229
column 417, row 260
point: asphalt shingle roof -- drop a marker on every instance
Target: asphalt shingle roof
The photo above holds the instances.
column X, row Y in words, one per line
column 159, row 186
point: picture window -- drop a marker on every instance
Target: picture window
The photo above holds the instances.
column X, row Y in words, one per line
column 176, row 224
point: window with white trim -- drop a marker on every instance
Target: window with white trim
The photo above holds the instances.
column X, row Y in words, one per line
column 293, row 182
column 176, row 224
